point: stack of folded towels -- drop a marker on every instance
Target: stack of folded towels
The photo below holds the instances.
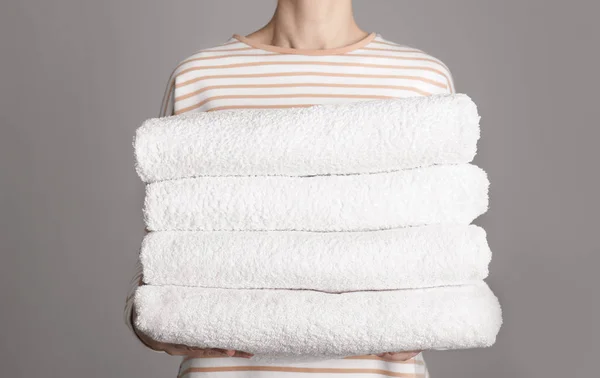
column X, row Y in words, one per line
column 319, row 232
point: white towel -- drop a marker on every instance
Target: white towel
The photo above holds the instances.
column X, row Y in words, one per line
column 362, row 137
column 296, row 323
column 433, row 195
column 412, row 257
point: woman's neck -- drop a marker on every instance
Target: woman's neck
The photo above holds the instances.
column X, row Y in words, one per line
column 310, row 24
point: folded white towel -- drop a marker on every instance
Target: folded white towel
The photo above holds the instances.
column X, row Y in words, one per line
column 437, row 194
column 411, row 257
column 287, row 323
column 361, row 137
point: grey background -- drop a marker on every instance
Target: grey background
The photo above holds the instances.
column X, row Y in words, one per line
column 78, row 77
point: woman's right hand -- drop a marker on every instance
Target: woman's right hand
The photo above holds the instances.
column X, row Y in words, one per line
column 184, row 350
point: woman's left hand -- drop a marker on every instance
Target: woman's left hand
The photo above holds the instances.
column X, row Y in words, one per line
column 398, row 356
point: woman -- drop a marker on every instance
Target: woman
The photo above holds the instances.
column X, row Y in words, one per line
column 310, row 52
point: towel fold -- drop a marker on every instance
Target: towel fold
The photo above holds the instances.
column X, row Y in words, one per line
column 296, row 323
column 412, row 257
column 362, row 137
column 434, row 195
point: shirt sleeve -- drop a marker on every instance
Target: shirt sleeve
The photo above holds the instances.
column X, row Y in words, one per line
column 451, row 87
column 449, row 78
column 447, row 74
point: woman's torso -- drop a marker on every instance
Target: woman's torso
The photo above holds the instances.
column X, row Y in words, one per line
column 243, row 74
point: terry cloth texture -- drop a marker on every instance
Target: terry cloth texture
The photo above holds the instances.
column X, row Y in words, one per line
column 316, row 233
column 433, row 195
column 303, row 323
column 362, row 137
column 412, row 257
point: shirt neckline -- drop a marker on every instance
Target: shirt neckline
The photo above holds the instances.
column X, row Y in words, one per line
column 288, row 50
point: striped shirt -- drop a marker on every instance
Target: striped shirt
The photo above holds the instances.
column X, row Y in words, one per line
column 241, row 73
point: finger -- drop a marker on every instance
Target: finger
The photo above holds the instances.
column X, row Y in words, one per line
column 185, row 350
column 243, row 354
column 235, row 353
column 385, row 354
column 176, row 351
column 411, row 352
column 398, row 356
column 207, row 353
column 226, row 352
column 414, row 352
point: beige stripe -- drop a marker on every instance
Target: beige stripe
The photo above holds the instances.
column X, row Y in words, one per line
column 436, row 61
column 371, row 357
column 400, row 46
column 324, row 74
column 233, row 107
column 219, row 56
column 226, row 56
column 350, row 55
column 294, row 95
column 285, row 369
column 166, row 96
column 275, row 54
column 335, row 64
column 301, row 85
column 170, row 87
column 413, row 360
column 405, row 51
column 388, row 43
